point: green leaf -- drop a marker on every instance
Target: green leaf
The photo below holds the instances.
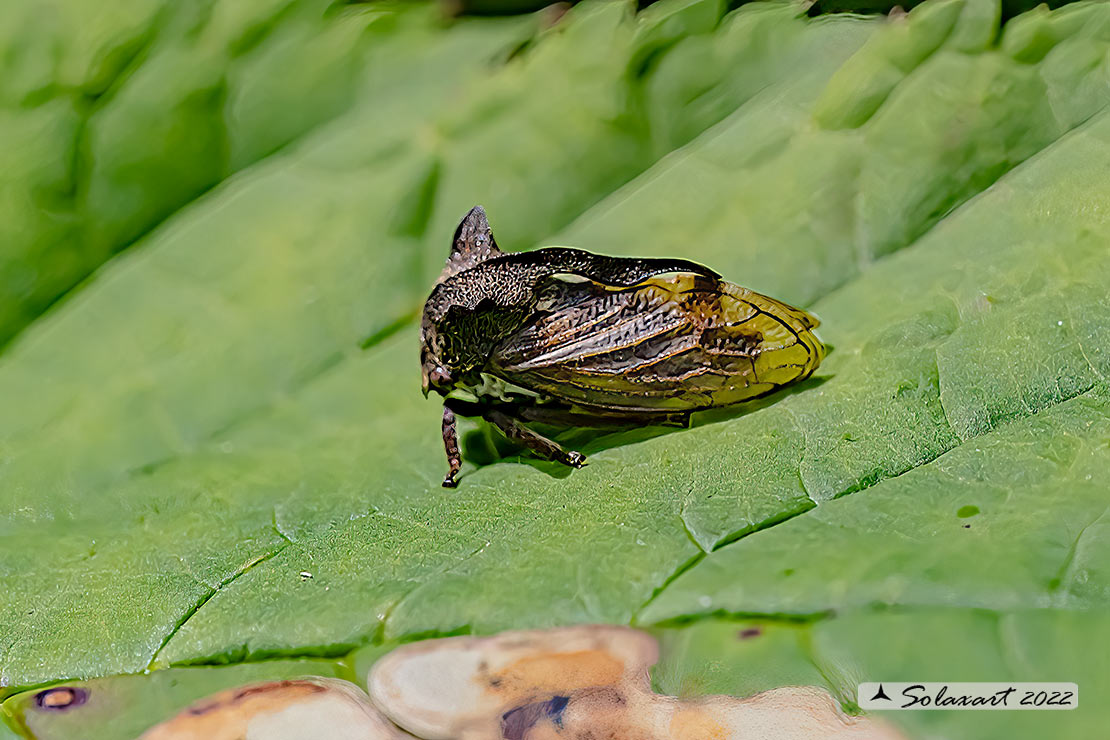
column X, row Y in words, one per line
column 215, row 450
column 118, row 117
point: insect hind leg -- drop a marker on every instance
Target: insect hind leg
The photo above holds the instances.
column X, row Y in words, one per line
column 537, row 443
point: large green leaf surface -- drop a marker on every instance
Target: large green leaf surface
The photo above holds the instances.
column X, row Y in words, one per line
column 117, row 115
column 215, row 449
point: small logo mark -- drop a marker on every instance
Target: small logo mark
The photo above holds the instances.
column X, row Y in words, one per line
column 880, row 694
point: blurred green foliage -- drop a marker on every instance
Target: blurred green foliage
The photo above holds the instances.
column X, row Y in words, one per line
column 116, row 115
column 233, row 401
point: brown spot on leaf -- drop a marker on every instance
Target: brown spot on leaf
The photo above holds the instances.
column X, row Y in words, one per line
column 554, row 672
column 584, row 683
column 695, row 724
column 61, row 698
column 291, row 708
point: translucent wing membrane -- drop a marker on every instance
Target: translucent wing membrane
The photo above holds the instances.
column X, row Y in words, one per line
column 670, row 343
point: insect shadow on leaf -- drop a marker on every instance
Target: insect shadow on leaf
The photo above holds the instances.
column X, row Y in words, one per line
column 484, row 445
column 569, row 340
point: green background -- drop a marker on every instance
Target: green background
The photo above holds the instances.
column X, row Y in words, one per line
column 218, row 222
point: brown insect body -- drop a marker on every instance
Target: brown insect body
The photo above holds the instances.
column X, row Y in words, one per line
column 570, row 337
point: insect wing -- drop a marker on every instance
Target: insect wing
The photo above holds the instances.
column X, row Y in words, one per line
column 670, row 343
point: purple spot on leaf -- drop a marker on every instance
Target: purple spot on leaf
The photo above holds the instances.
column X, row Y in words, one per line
column 61, row 698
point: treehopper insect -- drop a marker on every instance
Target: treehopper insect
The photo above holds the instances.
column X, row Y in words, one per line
column 567, row 337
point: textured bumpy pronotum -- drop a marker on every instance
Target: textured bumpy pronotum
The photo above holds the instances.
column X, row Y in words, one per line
column 568, row 337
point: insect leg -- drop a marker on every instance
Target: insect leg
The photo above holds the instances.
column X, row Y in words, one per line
column 539, row 444
column 451, row 446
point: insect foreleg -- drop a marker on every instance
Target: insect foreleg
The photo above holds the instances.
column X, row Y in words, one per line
column 511, row 428
column 537, row 443
column 451, row 446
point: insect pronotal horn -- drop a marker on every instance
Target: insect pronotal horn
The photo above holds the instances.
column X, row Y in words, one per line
column 473, row 243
